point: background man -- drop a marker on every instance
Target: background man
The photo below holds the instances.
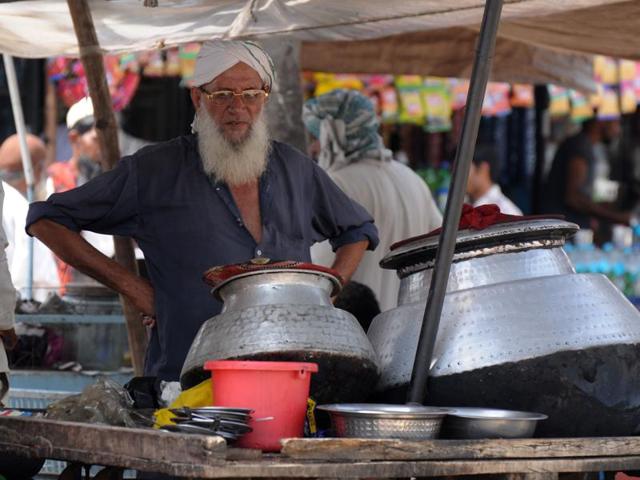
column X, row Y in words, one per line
column 569, row 186
column 11, row 170
column 14, row 215
column 349, row 148
column 482, row 186
column 225, row 195
column 84, row 163
column 45, row 273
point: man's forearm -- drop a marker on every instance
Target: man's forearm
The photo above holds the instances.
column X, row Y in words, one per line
column 602, row 211
column 80, row 254
column 348, row 258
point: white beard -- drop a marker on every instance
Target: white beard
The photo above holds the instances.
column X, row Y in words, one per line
column 232, row 163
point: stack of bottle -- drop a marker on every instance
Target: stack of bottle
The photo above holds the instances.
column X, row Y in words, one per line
column 438, row 180
column 620, row 264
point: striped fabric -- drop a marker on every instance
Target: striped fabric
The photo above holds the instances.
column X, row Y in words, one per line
column 345, row 123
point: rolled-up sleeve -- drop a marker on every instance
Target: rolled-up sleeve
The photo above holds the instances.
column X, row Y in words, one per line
column 337, row 217
column 107, row 204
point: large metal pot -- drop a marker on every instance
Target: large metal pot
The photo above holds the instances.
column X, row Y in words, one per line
column 514, row 314
column 287, row 314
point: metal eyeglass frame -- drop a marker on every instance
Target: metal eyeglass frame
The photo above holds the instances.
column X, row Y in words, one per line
column 211, row 96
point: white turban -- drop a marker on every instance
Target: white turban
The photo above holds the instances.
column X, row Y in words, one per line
column 218, row 56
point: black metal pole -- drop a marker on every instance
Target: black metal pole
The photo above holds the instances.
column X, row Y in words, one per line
column 453, row 210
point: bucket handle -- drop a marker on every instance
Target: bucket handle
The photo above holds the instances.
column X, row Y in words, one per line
column 264, row 419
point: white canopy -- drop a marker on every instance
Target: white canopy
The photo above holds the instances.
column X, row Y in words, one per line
column 43, row 28
column 429, row 37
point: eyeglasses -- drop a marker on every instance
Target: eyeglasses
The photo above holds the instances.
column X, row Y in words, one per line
column 251, row 96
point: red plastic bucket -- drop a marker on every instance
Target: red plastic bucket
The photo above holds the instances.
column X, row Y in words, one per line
column 277, row 392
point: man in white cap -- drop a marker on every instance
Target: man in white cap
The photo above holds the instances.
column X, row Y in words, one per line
column 224, row 195
column 84, row 163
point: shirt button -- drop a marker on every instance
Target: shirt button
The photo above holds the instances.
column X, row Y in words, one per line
column 258, row 252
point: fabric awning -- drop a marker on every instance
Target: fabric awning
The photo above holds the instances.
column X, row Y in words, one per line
column 537, row 41
column 43, row 28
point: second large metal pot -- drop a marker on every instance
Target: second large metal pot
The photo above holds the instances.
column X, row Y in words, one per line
column 287, row 315
column 519, row 330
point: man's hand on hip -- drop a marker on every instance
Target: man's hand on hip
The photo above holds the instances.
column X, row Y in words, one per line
column 348, row 258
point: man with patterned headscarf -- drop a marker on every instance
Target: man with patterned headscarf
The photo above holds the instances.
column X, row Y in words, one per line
column 225, row 194
column 348, row 146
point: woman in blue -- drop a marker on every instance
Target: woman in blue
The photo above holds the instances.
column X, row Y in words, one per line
column 223, row 195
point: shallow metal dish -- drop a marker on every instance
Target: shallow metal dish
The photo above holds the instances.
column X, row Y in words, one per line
column 472, row 422
column 223, row 410
column 370, row 420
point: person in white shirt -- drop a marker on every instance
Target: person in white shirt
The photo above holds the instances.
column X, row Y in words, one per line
column 481, row 184
column 12, row 171
column 351, row 151
column 8, row 337
column 45, row 273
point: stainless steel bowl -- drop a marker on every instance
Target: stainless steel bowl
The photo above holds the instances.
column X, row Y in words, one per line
column 471, row 422
column 370, row 420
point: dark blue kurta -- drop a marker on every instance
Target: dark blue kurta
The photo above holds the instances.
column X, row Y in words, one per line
column 185, row 223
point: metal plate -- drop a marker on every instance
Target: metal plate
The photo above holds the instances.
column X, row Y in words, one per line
column 205, row 422
column 475, row 423
column 383, row 410
column 494, row 414
column 223, row 410
column 187, row 428
column 423, row 250
column 206, row 415
column 277, row 278
column 362, row 420
column 507, row 322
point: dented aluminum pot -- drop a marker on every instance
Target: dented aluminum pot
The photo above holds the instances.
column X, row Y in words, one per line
column 287, row 315
column 519, row 330
column 512, row 295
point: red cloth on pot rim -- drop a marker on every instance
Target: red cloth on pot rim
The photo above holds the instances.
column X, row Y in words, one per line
column 478, row 218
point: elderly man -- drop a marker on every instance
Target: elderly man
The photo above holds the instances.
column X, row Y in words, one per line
column 224, row 195
column 349, row 148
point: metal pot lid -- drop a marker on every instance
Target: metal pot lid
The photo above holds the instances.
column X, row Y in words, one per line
column 219, row 276
column 424, row 247
column 479, row 413
column 382, row 410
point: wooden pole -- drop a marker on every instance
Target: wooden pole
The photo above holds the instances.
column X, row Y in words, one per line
column 50, row 120
column 284, row 108
column 91, row 56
